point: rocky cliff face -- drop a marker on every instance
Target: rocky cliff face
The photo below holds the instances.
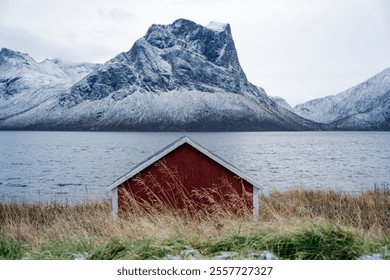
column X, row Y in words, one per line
column 182, row 56
column 363, row 107
column 181, row 76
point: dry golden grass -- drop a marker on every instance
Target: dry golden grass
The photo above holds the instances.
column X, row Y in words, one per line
column 35, row 224
column 369, row 211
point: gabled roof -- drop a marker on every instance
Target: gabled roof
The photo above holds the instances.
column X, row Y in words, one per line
column 159, row 155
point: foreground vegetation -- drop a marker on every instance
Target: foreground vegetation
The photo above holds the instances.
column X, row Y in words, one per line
column 295, row 225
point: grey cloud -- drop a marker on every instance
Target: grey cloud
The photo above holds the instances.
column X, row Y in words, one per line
column 21, row 40
column 39, row 48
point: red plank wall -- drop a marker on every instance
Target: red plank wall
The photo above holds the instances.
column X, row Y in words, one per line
column 183, row 171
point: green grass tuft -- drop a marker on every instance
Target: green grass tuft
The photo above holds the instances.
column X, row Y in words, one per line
column 317, row 242
column 112, row 249
column 10, row 249
column 61, row 249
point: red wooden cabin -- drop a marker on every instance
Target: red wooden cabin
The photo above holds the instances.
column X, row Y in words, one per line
column 183, row 169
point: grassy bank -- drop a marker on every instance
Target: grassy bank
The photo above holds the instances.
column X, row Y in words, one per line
column 294, row 225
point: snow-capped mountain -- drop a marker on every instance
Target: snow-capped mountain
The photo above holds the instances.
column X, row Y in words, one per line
column 25, row 83
column 181, row 76
column 363, row 107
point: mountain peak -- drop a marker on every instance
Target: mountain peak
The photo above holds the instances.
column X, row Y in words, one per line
column 183, row 22
column 7, row 52
column 11, row 57
column 4, row 52
column 166, row 36
column 213, row 42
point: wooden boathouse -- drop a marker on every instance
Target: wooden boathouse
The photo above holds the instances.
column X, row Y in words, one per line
column 186, row 167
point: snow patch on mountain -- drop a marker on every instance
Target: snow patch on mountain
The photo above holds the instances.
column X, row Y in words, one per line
column 166, row 111
column 217, row 26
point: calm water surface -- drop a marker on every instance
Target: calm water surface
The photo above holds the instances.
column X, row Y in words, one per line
column 74, row 167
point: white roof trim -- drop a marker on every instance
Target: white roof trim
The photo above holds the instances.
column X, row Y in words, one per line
column 159, row 155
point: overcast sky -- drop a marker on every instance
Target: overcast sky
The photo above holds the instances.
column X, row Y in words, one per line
column 296, row 49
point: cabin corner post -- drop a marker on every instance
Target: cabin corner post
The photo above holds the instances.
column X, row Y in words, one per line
column 255, row 203
column 114, row 201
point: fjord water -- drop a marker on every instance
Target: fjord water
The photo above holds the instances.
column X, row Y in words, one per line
column 70, row 167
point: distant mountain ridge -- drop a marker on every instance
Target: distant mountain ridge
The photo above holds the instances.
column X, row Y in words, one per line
column 362, row 107
column 25, row 83
column 180, row 76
